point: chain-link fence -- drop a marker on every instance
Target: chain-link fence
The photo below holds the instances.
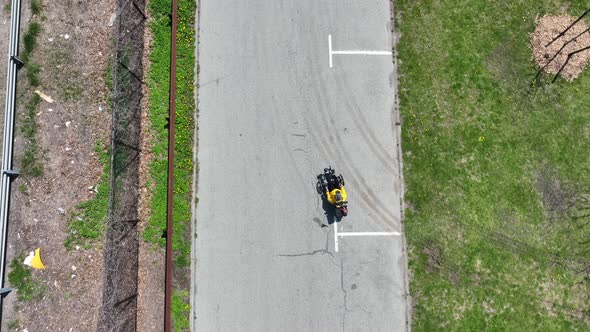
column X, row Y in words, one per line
column 121, row 244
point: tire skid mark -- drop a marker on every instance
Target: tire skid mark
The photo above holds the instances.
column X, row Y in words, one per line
column 383, row 220
column 371, row 140
column 344, row 153
column 385, row 159
column 288, row 147
column 367, row 196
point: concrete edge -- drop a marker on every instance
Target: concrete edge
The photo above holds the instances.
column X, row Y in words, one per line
column 195, row 186
column 396, row 127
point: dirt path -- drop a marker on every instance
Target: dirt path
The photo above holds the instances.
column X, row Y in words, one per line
column 73, row 52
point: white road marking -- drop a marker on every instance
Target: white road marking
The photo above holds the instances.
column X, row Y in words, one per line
column 343, row 234
column 336, row 236
column 369, row 234
column 363, row 52
column 352, row 52
column 330, row 48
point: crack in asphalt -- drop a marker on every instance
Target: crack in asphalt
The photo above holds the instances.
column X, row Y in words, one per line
column 346, row 310
column 319, row 251
column 311, row 253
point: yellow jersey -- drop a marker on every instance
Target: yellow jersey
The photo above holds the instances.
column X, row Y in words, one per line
column 331, row 196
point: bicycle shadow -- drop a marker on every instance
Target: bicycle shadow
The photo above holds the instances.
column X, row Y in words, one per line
column 329, row 212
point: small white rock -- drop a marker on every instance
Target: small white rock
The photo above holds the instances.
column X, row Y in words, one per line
column 77, row 247
column 61, row 210
column 73, row 268
column 50, row 110
column 50, row 39
column 112, row 20
column 66, row 36
column 67, row 148
column 68, row 123
column 73, row 276
column 72, row 162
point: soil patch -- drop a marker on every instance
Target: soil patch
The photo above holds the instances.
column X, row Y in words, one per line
column 554, row 56
column 72, row 52
column 434, row 258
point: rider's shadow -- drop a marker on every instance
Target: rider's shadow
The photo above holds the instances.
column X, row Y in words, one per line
column 329, row 211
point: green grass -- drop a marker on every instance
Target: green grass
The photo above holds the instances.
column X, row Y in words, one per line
column 71, row 91
column 89, row 219
column 13, row 324
column 180, row 311
column 20, row 277
column 32, row 157
column 36, row 6
column 158, row 83
column 495, row 170
column 33, row 71
column 23, row 189
column 30, row 39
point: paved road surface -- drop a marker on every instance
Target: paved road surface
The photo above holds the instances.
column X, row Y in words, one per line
column 273, row 114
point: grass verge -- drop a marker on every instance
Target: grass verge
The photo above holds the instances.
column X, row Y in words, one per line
column 21, row 278
column 497, row 171
column 158, row 83
column 180, row 310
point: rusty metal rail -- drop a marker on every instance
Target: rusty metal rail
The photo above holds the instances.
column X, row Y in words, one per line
column 170, row 197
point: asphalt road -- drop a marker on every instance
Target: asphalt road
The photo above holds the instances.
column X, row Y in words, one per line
column 272, row 115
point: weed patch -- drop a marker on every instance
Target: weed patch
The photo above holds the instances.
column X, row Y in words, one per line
column 36, row 7
column 88, row 221
column 33, row 70
column 13, row 324
column 180, row 311
column 32, row 157
column 30, row 38
column 21, row 278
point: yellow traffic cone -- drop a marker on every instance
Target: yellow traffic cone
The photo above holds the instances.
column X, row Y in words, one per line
column 36, row 262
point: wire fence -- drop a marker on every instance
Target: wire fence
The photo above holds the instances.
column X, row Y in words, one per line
column 122, row 237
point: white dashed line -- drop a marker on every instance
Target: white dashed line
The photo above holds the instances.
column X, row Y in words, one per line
column 351, row 52
column 369, row 234
column 336, row 236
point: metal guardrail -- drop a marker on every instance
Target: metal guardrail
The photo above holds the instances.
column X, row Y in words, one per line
column 7, row 172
